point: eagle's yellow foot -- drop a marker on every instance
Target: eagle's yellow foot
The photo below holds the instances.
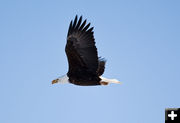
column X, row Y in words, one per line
column 104, row 83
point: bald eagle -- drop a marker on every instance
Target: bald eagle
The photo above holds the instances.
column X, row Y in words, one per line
column 85, row 67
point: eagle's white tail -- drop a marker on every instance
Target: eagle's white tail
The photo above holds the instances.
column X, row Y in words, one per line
column 105, row 81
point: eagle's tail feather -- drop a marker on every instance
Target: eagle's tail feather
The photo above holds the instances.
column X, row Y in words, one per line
column 105, row 81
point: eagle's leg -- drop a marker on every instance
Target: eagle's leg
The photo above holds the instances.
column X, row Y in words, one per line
column 104, row 83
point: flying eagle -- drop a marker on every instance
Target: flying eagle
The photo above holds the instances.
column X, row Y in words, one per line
column 85, row 67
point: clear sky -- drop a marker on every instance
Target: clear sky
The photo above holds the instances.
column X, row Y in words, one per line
column 139, row 38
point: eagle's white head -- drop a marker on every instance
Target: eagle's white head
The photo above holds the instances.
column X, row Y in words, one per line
column 62, row 79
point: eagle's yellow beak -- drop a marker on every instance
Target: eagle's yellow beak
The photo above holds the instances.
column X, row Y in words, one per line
column 54, row 81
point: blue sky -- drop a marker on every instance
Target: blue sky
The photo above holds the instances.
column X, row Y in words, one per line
column 140, row 40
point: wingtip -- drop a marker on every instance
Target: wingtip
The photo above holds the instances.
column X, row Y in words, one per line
column 76, row 17
column 90, row 30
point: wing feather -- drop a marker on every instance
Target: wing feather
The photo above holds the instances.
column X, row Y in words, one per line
column 80, row 48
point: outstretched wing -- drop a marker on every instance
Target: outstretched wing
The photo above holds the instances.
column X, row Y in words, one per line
column 80, row 48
